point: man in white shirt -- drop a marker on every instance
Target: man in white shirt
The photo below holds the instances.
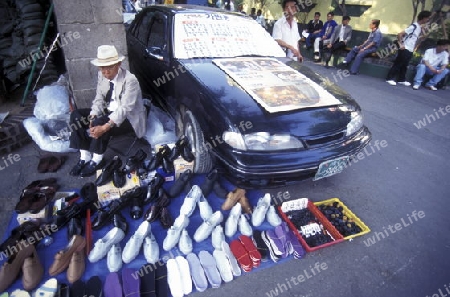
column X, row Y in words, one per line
column 407, row 41
column 434, row 62
column 285, row 31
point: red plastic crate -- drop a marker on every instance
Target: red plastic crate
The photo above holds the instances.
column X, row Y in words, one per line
column 323, row 220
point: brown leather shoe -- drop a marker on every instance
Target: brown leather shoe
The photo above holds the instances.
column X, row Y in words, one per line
column 233, row 198
column 246, row 207
column 76, row 267
column 32, row 271
column 11, row 268
column 62, row 258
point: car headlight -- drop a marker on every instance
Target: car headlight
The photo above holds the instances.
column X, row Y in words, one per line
column 356, row 123
column 261, row 141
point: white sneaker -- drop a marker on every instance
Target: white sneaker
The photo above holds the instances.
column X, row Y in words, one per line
column 231, row 223
column 259, row 213
column 217, row 237
column 103, row 245
column 205, row 229
column 433, row 88
column 416, row 87
column 174, row 278
column 223, row 265
column 205, row 209
column 48, row 289
column 235, row 268
column 272, row 217
column 190, row 201
column 174, row 232
column 197, row 272
column 391, row 82
column 186, row 280
column 151, row 249
column 134, row 244
column 114, row 258
column 17, row 293
column 405, row 83
column 244, row 226
column 185, row 244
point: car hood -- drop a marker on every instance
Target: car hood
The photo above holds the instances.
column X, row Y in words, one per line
column 237, row 106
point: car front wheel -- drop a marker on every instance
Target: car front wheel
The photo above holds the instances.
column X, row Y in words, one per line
column 203, row 160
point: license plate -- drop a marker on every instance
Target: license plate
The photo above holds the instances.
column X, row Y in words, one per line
column 331, row 167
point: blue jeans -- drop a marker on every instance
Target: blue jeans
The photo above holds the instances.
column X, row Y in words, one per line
column 358, row 56
column 422, row 70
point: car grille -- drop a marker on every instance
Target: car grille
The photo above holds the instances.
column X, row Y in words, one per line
column 324, row 140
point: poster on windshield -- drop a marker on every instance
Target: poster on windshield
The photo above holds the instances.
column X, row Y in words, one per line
column 274, row 85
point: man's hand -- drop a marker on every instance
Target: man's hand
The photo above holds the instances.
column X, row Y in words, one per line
column 97, row 131
column 297, row 54
column 329, row 45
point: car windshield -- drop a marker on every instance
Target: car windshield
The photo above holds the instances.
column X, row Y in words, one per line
column 217, row 35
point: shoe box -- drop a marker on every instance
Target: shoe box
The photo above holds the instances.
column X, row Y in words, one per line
column 109, row 192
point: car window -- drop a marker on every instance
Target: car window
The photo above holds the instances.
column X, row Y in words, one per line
column 220, row 35
column 157, row 36
column 143, row 27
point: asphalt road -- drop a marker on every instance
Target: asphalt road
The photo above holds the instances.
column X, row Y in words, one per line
column 398, row 188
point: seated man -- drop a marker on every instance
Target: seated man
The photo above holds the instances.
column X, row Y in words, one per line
column 117, row 109
column 324, row 36
column 434, row 62
column 313, row 29
column 285, row 31
column 339, row 40
column 369, row 46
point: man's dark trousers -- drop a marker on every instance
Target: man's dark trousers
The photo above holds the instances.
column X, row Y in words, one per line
column 80, row 139
column 327, row 52
column 400, row 65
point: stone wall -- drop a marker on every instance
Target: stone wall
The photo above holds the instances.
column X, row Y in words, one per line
column 83, row 26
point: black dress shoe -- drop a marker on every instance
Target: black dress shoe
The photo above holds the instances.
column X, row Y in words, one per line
column 100, row 220
column 76, row 170
column 90, row 168
column 157, row 159
column 208, row 184
column 165, row 218
column 168, row 166
column 75, row 227
column 119, row 178
column 120, row 222
column 136, row 161
column 153, row 213
column 136, row 204
column 178, row 149
column 89, row 192
column 153, row 187
column 187, row 154
column 108, row 171
column 163, row 200
column 180, row 183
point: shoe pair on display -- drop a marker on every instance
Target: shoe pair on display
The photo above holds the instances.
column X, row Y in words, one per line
column 26, row 260
column 143, row 236
column 237, row 196
column 161, row 158
column 208, row 225
column 114, row 172
column 86, row 168
column 182, row 148
column 246, row 253
column 72, row 258
column 264, row 210
column 50, row 288
column 50, row 163
column 179, row 276
column 136, row 161
column 211, row 183
column 36, row 196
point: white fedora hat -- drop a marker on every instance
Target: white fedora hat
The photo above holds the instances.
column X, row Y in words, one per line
column 107, row 55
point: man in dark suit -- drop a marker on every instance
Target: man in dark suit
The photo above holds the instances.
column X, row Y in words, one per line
column 313, row 29
column 339, row 40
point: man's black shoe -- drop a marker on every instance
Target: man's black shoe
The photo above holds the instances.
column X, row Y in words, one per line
column 119, row 178
column 165, row 218
column 76, row 170
column 136, row 161
column 153, row 187
column 90, row 168
column 180, row 183
column 102, row 218
column 208, row 184
column 163, row 200
column 75, row 227
column 136, row 204
column 120, row 222
column 108, row 171
column 187, row 154
column 168, row 166
column 153, row 213
column 220, row 191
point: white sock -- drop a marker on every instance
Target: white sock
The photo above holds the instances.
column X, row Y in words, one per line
column 97, row 158
column 85, row 155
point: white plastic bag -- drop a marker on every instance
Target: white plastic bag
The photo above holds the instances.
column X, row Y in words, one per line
column 160, row 127
column 52, row 102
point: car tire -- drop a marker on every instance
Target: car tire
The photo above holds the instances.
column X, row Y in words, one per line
column 203, row 162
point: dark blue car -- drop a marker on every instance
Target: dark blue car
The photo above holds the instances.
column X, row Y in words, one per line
column 265, row 119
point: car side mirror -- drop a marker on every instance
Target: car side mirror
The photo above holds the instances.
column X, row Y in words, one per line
column 155, row 53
